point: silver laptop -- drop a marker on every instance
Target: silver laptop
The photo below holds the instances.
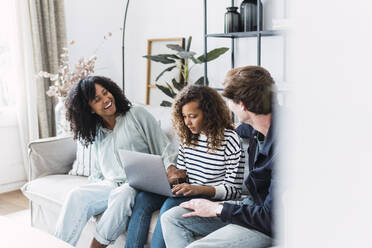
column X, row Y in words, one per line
column 146, row 172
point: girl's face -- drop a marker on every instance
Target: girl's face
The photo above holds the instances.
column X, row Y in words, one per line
column 193, row 116
column 104, row 103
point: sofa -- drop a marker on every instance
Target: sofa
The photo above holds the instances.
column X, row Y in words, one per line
column 51, row 160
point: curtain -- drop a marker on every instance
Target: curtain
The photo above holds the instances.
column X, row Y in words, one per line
column 48, row 38
column 39, row 36
column 23, row 86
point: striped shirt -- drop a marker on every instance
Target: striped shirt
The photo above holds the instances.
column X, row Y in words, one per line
column 222, row 168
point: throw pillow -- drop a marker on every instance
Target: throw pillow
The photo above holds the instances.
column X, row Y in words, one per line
column 83, row 163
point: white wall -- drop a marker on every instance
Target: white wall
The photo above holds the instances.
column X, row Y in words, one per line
column 162, row 19
column 329, row 157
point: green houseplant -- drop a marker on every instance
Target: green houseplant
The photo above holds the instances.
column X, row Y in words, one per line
column 183, row 59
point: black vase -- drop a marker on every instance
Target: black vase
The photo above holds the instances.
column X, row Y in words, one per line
column 232, row 20
column 248, row 15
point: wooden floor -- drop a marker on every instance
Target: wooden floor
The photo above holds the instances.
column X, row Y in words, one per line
column 13, row 202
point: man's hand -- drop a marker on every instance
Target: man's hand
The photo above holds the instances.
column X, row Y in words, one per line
column 186, row 189
column 175, row 175
column 201, row 207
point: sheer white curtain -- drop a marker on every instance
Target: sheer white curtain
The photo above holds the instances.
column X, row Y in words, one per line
column 35, row 35
column 24, row 85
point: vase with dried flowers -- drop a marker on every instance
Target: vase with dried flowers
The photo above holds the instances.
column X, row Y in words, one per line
column 64, row 80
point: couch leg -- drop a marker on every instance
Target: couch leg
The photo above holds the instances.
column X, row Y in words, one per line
column 96, row 244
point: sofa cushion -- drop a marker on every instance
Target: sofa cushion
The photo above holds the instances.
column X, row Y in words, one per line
column 83, row 163
column 53, row 189
column 51, row 156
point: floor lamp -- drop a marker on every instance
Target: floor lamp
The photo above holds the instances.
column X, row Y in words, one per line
column 123, row 41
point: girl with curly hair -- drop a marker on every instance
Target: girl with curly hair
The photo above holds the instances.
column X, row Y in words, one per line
column 101, row 115
column 209, row 154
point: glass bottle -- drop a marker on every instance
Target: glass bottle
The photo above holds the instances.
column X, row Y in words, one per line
column 232, row 20
column 248, row 15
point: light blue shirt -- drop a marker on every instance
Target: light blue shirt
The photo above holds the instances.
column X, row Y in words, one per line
column 137, row 130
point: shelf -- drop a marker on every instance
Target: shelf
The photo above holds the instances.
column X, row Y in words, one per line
column 247, row 34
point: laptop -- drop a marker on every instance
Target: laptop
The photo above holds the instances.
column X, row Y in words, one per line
column 146, row 172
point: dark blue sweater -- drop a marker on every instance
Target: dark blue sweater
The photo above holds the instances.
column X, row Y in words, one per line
column 260, row 184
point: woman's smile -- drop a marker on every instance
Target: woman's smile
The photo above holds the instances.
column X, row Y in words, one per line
column 108, row 106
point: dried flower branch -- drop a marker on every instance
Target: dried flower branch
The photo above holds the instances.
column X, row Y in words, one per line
column 67, row 76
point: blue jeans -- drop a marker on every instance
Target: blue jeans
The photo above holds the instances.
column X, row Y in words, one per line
column 180, row 232
column 82, row 203
column 146, row 203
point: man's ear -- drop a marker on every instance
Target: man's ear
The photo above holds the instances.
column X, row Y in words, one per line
column 242, row 106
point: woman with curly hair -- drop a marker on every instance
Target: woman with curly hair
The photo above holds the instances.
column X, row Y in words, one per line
column 101, row 115
column 209, row 153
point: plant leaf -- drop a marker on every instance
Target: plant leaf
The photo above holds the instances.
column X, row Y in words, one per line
column 200, row 81
column 214, row 54
column 186, row 55
column 171, row 90
column 196, row 61
column 175, row 47
column 168, row 91
column 169, row 56
column 160, row 59
column 167, row 69
column 188, row 44
column 166, row 104
column 177, row 85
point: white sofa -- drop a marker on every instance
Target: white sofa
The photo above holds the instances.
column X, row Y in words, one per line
column 50, row 161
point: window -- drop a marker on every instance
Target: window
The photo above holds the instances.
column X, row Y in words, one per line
column 6, row 96
column 4, row 67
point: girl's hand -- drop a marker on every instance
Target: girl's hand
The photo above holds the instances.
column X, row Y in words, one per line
column 186, row 189
column 175, row 175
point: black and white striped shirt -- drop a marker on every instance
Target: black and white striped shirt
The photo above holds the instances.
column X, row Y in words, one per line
column 222, row 168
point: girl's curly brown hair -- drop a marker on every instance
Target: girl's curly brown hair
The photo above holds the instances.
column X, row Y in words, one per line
column 216, row 115
column 83, row 123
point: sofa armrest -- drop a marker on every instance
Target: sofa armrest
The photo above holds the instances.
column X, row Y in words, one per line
column 51, row 156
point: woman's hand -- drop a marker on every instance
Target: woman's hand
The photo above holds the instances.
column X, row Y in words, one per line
column 186, row 189
column 175, row 175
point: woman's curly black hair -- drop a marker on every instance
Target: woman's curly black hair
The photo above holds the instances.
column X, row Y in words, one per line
column 83, row 123
column 216, row 115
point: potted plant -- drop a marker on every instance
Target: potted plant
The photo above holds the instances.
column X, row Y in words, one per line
column 184, row 59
